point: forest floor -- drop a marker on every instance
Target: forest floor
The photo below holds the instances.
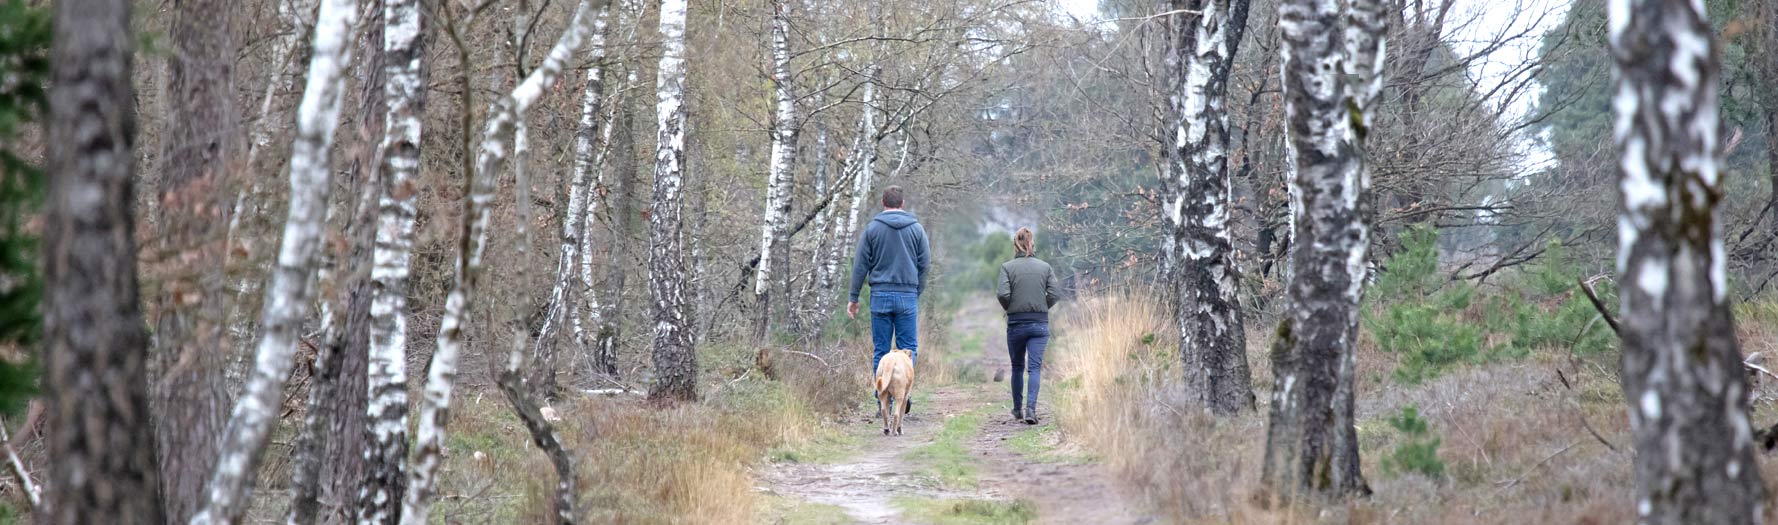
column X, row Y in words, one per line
column 961, row 458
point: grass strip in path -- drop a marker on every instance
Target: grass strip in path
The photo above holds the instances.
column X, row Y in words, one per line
column 967, row 511
column 947, row 459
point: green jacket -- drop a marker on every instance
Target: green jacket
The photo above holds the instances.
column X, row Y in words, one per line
column 1027, row 290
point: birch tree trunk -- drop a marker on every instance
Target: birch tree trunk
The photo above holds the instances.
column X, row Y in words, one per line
column 1682, row 373
column 1311, row 443
column 860, row 167
column 620, row 139
column 581, row 205
column 1212, row 340
column 331, row 439
column 191, row 394
column 675, row 362
column 95, row 347
column 619, row 258
column 811, row 309
column 404, row 49
column 290, row 295
column 490, row 158
column 863, row 166
column 774, row 244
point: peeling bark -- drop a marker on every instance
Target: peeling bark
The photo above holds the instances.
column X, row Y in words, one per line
column 1682, row 374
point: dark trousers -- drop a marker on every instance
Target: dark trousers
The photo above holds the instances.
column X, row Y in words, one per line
column 1025, row 343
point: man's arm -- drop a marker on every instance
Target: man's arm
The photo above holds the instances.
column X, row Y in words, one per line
column 1004, row 289
column 922, row 257
column 862, row 261
column 1050, row 293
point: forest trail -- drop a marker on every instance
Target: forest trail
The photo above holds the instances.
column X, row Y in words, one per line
column 961, row 457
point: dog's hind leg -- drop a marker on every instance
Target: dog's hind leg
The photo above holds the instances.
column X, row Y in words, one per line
column 898, row 413
column 883, row 408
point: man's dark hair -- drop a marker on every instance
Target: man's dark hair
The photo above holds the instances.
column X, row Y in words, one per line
column 892, row 197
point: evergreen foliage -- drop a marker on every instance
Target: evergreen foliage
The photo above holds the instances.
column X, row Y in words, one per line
column 24, row 68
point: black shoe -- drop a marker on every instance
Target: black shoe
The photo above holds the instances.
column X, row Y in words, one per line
column 1017, row 415
column 1031, row 420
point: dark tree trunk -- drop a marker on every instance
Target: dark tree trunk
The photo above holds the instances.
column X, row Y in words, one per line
column 95, row 347
column 621, row 255
column 1682, row 373
column 1311, row 442
column 191, row 398
column 1212, row 338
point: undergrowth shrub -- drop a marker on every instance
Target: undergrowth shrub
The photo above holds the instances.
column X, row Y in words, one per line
column 1417, row 451
column 1434, row 323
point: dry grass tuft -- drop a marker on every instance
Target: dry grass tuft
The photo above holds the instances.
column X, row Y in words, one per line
column 1514, row 439
column 642, row 463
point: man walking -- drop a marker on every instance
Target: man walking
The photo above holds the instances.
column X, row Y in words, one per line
column 892, row 257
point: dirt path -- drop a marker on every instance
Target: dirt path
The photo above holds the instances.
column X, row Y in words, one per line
column 961, row 458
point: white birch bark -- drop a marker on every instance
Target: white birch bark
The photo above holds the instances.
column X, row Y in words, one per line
column 1311, row 440
column 1208, row 312
column 811, row 300
column 436, row 398
column 674, row 361
column 293, row 14
column 1682, row 371
column 288, row 301
column 864, row 167
column 587, row 310
column 772, row 238
column 387, row 413
column 581, row 202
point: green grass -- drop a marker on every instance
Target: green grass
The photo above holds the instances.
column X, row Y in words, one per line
column 947, row 458
column 967, row 511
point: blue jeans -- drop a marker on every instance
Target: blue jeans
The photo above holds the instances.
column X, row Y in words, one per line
column 894, row 318
column 1024, row 343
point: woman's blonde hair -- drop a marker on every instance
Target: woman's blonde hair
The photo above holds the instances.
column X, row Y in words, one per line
column 1024, row 243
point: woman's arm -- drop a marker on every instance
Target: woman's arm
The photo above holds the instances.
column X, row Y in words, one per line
column 1050, row 293
column 1004, row 289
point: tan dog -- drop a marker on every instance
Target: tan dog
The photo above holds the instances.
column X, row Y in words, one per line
column 895, row 378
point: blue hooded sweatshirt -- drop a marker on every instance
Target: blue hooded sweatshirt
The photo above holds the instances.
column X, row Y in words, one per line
column 892, row 253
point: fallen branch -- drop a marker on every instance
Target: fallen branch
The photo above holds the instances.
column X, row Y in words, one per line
column 1586, row 285
column 810, row 356
column 1583, row 415
column 32, row 493
column 1546, row 459
column 1750, row 366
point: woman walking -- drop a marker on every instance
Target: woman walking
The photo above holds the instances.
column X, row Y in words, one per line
column 1027, row 290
